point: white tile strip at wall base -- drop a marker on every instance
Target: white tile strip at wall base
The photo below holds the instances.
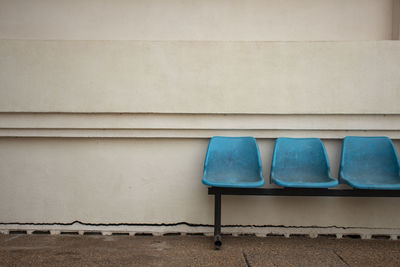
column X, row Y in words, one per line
column 182, row 229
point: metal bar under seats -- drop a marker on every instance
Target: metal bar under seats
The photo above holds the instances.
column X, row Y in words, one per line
column 306, row 192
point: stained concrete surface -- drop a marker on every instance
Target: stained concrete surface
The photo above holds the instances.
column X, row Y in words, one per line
column 97, row 250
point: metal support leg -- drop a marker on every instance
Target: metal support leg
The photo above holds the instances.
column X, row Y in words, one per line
column 217, row 221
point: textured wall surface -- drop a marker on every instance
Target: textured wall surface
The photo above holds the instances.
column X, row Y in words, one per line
column 272, row 20
column 154, row 181
column 200, row 77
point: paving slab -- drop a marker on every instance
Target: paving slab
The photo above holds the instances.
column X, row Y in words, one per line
column 98, row 250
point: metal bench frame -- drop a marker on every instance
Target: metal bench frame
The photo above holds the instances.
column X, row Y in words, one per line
column 308, row 192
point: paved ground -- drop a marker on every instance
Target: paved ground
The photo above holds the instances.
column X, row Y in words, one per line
column 65, row 250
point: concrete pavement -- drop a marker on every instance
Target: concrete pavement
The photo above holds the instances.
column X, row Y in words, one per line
column 98, row 250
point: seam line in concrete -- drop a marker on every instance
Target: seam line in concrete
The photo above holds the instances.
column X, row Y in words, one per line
column 246, row 260
column 340, row 257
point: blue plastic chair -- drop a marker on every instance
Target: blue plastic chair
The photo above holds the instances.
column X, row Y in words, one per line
column 302, row 163
column 370, row 163
column 233, row 162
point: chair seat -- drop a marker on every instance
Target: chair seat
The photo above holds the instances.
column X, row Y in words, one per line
column 301, row 163
column 305, row 182
column 247, row 182
column 370, row 163
column 375, row 182
column 233, row 162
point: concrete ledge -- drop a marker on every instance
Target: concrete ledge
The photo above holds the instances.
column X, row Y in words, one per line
column 159, row 125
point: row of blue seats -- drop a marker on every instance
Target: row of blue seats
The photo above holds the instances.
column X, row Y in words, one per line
column 366, row 163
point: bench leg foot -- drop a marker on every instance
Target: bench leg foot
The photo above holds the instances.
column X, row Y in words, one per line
column 217, row 242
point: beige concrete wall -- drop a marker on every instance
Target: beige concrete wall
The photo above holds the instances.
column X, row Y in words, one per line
column 154, row 181
column 200, row 77
column 196, row 20
column 147, row 168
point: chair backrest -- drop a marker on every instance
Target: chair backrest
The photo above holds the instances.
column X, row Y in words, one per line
column 368, row 156
column 233, row 156
column 300, row 157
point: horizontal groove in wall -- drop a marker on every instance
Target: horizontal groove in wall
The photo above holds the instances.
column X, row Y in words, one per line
column 189, row 133
column 194, row 125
